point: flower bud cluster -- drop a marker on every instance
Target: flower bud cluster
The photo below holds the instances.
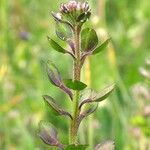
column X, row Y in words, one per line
column 73, row 12
column 73, row 6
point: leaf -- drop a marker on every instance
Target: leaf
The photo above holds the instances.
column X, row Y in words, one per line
column 56, row 46
column 88, row 94
column 53, row 74
column 67, row 90
column 84, row 56
column 107, row 145
column 100, row 96
column 75, row 85
column 86, row 111
column 76, row 147
column 58, row 18
column 48, row 134
column 63, row 31
column 104, row 93
column 72, row 46
column 56, row 109
column 55, row 78
column 101, row 47
column 93, row 52
column 89, row 39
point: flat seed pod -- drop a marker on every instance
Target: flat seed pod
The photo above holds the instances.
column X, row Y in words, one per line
column 102, row 95
column 56, row 109
column 55, row 78
column 48, row 134
column 86, row 111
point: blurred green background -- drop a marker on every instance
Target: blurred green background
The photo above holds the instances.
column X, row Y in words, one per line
column 124, row 117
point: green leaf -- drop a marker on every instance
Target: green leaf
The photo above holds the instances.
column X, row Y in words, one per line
column 86, row 111
column 86, row 96
column 56, row 46
column 99, row 97
column 75, row 85
column 63, row 31
column 89, row 39
column 88, row 93
column 101, row 47
column 76, row 147
column 56, row 109
column 104, row 93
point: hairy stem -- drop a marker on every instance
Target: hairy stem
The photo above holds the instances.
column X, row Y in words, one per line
column 76, row 73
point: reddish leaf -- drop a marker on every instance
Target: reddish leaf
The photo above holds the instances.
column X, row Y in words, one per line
column 55, row 78
column 57, row 110
column 48, row 135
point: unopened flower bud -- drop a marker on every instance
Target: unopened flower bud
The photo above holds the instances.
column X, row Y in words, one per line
column 64, row 9
column 79, row 6
column 86, row 8
column 72, row 5
column 57, row 16
column 73, row 12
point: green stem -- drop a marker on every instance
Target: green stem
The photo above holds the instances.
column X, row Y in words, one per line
column 76, row 73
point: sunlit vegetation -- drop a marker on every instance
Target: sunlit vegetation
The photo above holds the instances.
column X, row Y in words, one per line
column 124, row 117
